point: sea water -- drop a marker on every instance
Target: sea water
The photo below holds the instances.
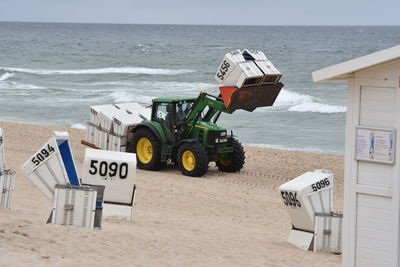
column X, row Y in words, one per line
column 52, row 73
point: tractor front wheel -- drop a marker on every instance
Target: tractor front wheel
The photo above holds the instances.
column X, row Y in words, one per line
column 192, row 159
column 148, row 150
column 235, row 161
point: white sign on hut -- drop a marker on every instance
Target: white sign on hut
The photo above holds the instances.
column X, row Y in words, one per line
column 372, row 160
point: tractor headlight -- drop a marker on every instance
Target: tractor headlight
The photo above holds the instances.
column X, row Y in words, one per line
column 221, row 138
column 217, row 137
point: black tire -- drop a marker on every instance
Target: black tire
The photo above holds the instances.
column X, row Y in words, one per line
column 236, row 161
column 200, row 163
column 155, row 163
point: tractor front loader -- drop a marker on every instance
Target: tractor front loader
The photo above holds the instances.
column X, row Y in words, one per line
column 184, row 130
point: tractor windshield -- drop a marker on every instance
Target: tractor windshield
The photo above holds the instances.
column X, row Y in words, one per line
column 182, row 110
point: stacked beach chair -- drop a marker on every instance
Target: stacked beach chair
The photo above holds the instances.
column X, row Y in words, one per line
column 108, row 182
column 109, row 127
column 7, row 178
column 52, row 170
column 248, row 80
column 115, row 171
column 247, row 68
column 309, row 202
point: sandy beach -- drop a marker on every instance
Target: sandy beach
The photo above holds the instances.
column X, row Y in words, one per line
column 220, row 219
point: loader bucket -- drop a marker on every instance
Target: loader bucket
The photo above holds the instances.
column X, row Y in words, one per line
column 249, row 98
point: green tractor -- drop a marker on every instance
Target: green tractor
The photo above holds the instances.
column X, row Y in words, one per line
column 184, row 130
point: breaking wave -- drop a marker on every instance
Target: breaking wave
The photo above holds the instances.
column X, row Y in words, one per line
column 124, row 96
column 175, row 86
column 78, row 126
column 296, row 102
column 6, row 75
column 317, row 107
column 18, row 86
column 123, row 70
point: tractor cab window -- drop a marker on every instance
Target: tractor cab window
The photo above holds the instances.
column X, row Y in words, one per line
column 201, row 114
column 182, row 110
column 204, row 112
column 164, row 113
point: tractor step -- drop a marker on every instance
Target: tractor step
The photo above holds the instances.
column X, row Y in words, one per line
column 166, row 153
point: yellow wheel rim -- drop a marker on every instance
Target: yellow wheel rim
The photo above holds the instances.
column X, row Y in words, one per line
column 188, row 160
column 144, row 150
column 225, row 162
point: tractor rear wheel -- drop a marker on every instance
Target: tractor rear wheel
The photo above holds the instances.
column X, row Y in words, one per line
column 236, row 160
column 192, row 159
column 148, row 150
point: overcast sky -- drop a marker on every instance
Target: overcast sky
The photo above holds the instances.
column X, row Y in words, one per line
column 228, row 12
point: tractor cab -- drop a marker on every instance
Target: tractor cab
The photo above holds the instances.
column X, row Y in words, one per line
column 171, row 113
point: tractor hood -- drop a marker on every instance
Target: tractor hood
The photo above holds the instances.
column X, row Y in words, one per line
column 208, row 126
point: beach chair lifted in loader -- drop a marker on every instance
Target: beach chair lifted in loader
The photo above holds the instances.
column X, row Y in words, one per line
column 184, row 130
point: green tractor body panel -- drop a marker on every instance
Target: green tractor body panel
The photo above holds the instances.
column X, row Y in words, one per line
column 212, row 137
column 157, row 127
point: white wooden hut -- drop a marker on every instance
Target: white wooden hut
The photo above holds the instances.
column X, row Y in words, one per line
column 372, row 157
